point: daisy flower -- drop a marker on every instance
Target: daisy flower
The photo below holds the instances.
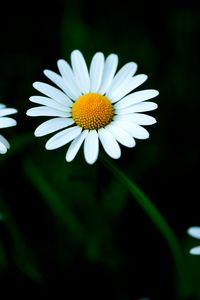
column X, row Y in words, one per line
column 194, row 231
column 5, row 122
column 92, row 105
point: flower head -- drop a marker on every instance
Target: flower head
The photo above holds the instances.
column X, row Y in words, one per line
column 5, row 122
column 194, row 231
column 93, row 105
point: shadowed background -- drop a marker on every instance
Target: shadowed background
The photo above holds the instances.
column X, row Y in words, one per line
column 73, row 228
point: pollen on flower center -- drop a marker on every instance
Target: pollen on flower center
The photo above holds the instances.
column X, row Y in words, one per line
column 92, row 111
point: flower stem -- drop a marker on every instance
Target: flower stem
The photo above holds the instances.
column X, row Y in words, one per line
column 160, row 223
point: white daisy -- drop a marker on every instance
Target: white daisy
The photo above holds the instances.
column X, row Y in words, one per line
column 5, row 122
column 93, row 105
column 194, row 231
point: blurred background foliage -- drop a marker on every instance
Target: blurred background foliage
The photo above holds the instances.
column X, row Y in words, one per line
column 74, row 229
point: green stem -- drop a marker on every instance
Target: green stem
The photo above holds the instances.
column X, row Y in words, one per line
column 158, row 220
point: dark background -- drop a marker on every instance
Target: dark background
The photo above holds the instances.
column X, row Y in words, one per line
column 112, row 250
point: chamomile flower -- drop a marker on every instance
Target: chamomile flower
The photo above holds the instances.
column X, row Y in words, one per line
column 92, row 105
column 5, row 122
column 194, row 231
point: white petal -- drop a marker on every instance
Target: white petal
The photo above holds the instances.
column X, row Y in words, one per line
column 96, row 71
column 3, row 148
column 4, row 141
column 194, row 231
column 91, row 147
column 7, row 122
column 61, row 83
column 69, row 78
column 195, row 250
column 134, row 130
column 136, row 97
column 121, row 135
column 46, row 111
column 49, row 103
column 140, row 107
column 127, row 87
column 109, row 143
column 140, row 119
column 7, row 111
column 57, row 79
column 52, row 92
column 63, row 137
column 75, row 145
column 110, row 68
column 122, row 76
column 2, row 105
column 53, row 125
column 80, row 71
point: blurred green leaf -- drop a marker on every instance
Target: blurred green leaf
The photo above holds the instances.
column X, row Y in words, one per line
column 114, row 199
column 53, row 199
column 22, row 254
column 75, row 33
column 2, row 256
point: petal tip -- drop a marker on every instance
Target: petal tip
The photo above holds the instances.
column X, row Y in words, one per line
column 48, row 146
column 35, row 84
column 91, row 162
column 195, row 251
column 28, row 112
column 46, row 72
column 37, row 133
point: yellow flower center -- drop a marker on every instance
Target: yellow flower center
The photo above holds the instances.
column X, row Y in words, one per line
column 92, row 111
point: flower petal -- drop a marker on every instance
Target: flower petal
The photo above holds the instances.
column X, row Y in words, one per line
column 140, row 107
column 140, row 119
column 69, row 78
column 53, row 125
column 4, row 141
column 3, row 148
column 75, row 145
column 52, row 92
column 7, row 122
column 80, row 71
column 63, row 137
column 110, row 68
column 194, row 231
column 2, row 105
column 195, row 250
column 136, row 97
column 121, row 135
column 127, row 87
column 46, row 111
column 96, row 71
column 61, row 83
column 91, row 147
column 122, row 76
column 109, row 143
column 49, row 103
column 134, row 130
column 7, row 111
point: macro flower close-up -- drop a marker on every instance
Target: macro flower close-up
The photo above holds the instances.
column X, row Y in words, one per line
column 93, row 104
column 99, row 184
column 4, row 123
column 194, row 232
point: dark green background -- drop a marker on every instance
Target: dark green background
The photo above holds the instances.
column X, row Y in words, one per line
column 70, row 228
